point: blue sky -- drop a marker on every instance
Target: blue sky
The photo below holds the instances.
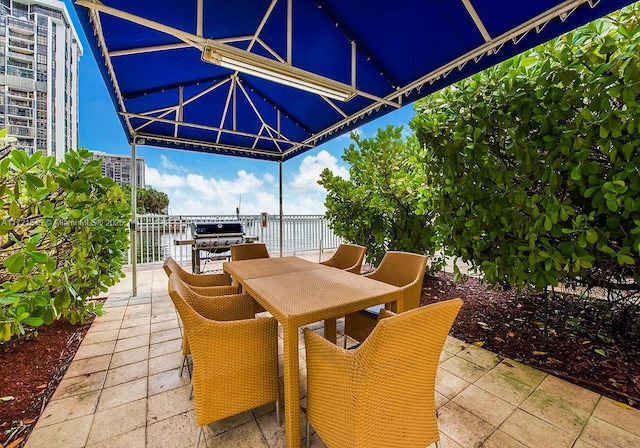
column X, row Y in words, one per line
column 199, row 183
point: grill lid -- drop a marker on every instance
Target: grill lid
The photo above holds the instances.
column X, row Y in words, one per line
column 201, row 229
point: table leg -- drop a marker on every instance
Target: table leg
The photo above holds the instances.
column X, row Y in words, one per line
column 291, row 386
column 330, row 330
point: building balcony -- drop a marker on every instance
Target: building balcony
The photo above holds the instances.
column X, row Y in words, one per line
column 20, row 131
column 20, row 112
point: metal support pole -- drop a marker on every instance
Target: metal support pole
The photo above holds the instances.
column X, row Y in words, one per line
column 132, row 224
column 281, row 226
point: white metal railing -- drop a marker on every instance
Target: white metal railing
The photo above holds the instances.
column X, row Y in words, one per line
column 156, row 234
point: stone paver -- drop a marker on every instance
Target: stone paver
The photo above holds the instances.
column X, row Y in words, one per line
column 123, row 389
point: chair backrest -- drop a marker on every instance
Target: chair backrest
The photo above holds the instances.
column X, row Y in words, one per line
column 249, row 251
column 218, row 308
column 405, row 270
column 235, row 363
column 399, row 361
column 171, row 266
column 348, row 257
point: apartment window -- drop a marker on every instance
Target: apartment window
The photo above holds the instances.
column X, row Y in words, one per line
column 20, row 10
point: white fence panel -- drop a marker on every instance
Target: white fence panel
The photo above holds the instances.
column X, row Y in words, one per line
column 157, row 234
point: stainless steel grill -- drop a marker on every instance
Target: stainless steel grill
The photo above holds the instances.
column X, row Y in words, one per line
column 217, row 236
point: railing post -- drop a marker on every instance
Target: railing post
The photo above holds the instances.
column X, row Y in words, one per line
column 293, row 222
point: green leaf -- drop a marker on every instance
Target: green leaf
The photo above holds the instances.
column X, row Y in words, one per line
column 14, row 210
column 33, row 321
column 49, row 316
column 627, row 151
column 625, row 259
column 576, row 173
column 38, row 257
column 19, row 285
column 628, row 95
column 14, row 263
column 41, row 301
column 592, row 236
column 591, row 191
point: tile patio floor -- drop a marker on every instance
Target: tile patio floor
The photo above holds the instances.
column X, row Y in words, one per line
column 123, row 390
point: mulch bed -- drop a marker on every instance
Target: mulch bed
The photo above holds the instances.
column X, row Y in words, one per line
column 32, row 368
column 512, row 325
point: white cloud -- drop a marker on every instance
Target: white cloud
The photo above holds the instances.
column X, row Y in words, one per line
column 197, row 194
column 159, row 181
column 194, row 194
column 310, row 169
column 268, row 177
column 168, row 164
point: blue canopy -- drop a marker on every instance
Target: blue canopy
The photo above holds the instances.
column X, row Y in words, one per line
column 271, row 79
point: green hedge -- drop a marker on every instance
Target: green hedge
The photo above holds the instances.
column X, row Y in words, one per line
column 63, row 238
column 537, row 161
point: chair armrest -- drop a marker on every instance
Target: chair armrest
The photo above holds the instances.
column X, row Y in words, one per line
column 384, row 313
column 330, row 374
column 355, row 269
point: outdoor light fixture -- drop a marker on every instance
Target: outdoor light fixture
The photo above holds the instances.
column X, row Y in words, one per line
column 252, row 64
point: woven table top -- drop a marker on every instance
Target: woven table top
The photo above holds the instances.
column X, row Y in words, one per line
column 264, row 267
column 316, row 294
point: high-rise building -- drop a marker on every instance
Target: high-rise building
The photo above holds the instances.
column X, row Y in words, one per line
column 118, row 168
column 39, row 53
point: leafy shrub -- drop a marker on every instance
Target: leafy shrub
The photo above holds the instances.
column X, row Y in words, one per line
column 63, row 238
column 537, row 161
column 382, row 205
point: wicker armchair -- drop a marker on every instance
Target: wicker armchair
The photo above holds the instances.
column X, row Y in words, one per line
column 348, row 257
column 205, row 284
column 402, row 269
column 381, row 394
column 215, row 307
column 249, row 251
column 235, row 363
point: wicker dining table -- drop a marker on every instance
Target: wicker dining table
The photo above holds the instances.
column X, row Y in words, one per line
column 298, row 292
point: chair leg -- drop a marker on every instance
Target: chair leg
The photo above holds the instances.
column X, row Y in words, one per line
column 308, row 434
column 278, row 414
column 191, row 391
column 190, row 367
column 438, row 444
column 184, row 362
column 198, row 434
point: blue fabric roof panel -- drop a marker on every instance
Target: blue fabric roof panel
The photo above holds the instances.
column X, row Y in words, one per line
column 382, row 55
